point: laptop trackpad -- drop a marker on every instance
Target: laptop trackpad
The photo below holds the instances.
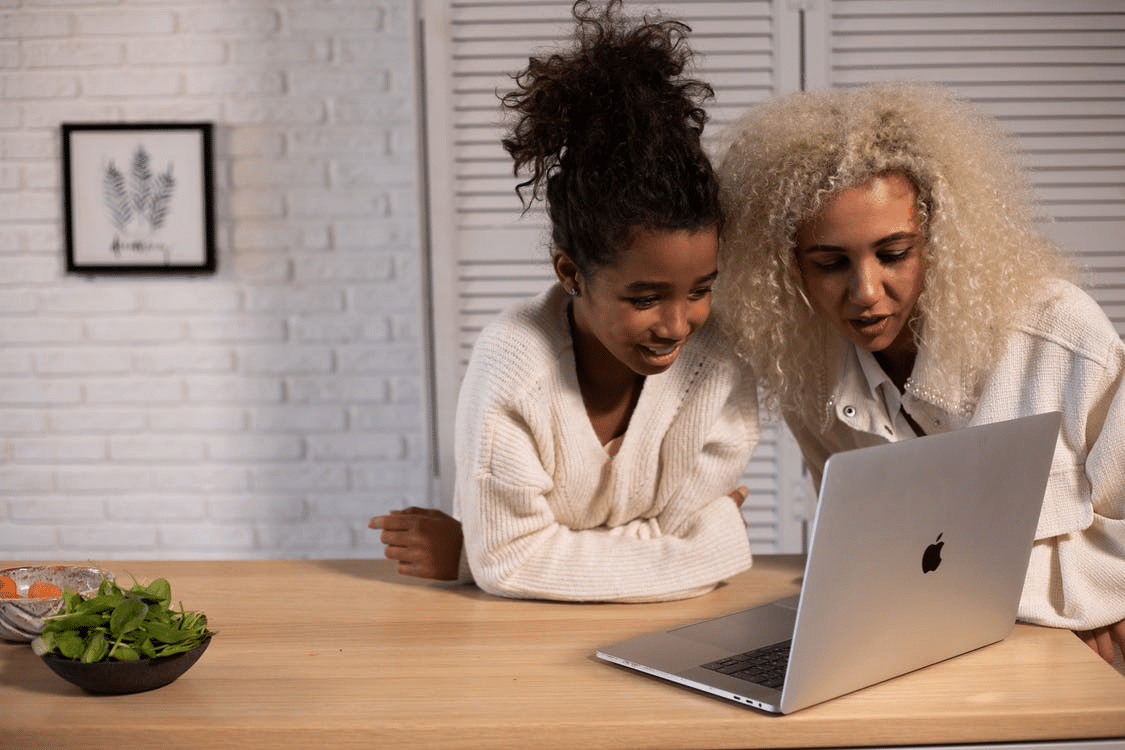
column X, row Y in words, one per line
column 745, row 630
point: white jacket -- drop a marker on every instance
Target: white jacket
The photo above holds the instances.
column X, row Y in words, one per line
column 1065, row 355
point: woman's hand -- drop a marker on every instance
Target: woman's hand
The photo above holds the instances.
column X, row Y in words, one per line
column 425, row 541
column 739, row 495
column 1108, row 641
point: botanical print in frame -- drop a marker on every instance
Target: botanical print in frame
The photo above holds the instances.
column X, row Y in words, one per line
column 138, row 198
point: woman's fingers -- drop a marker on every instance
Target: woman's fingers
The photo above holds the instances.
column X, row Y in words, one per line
column 1101, row 641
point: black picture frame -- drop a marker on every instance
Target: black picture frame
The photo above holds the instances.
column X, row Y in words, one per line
column 138, row 198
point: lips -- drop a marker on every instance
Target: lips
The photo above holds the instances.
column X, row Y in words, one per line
column 870, row 325
column 661, row 356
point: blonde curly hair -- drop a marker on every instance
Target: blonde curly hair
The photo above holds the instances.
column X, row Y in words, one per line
column 789, row 156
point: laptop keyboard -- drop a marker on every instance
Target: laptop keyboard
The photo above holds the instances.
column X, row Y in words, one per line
column 762, row 666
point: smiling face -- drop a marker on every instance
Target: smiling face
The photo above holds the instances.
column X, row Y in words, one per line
column 861, row 259
column 640, row 310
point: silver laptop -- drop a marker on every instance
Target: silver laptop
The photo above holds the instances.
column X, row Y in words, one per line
column 918, row 553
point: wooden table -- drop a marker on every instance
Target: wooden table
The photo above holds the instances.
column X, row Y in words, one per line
column 347, row 654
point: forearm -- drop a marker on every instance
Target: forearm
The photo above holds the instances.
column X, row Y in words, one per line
column 528, row 557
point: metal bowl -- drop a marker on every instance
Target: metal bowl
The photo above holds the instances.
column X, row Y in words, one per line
column 23, row 618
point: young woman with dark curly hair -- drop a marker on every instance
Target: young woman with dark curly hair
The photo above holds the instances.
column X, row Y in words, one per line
column 883, row 275
column 602, row 425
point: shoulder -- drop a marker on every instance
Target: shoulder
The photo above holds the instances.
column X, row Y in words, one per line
column 522, row 344
column 1063, row 299
column 1067, row 316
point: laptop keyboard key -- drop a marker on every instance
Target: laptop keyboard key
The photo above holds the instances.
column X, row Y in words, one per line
column 762, row 666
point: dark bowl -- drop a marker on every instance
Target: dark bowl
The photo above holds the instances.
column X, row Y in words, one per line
column 118, row 677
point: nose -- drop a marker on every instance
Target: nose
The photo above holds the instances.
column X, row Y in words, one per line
column 677, row 320
column 866, row 283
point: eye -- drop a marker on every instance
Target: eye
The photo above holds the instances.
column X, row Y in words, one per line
column 700, row 293
column 895, row 256
column 831, row 263
column 642, row 303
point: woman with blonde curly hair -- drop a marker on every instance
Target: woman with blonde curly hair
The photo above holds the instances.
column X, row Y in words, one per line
column 883, row 275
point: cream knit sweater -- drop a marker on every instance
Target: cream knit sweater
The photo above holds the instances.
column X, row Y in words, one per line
column 548, row 513
column 1064, row 355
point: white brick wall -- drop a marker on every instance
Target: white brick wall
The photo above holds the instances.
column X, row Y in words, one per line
column 265, row 411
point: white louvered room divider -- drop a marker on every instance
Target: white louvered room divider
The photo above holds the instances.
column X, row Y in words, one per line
column 1053, row 72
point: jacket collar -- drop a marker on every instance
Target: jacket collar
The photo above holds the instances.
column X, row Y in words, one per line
column 937, row 398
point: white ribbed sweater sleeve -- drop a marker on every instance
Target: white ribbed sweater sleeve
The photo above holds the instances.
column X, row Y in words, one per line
column 548, row 514
column 1067, row 356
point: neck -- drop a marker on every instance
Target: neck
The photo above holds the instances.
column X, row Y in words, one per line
column 897, row 360
column 605, row 381
column 610, row 390
column 898, row 365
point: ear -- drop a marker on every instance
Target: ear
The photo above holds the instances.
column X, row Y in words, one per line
column 567, row 272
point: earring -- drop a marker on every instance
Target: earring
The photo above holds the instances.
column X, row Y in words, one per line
column 572, row 291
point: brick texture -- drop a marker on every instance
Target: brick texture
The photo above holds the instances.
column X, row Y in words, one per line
column 265, row 411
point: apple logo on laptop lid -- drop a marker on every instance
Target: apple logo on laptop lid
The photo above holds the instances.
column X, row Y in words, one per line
column 931, row 558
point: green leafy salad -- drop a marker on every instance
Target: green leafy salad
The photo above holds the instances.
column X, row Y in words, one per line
column 119, row 624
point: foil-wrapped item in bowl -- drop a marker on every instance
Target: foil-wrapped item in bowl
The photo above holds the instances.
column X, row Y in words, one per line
column 23, row 613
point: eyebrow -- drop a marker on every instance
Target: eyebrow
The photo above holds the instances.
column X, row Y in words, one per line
column 882, row 242
column 645, row 286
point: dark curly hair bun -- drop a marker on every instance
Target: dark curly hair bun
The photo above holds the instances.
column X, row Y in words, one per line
column 609, row 134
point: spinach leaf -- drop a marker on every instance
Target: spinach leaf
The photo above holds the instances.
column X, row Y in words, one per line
column 127, row 616
column 70, row 644
column 96, row 649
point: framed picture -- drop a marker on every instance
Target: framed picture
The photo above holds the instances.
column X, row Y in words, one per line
column 138, row 198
